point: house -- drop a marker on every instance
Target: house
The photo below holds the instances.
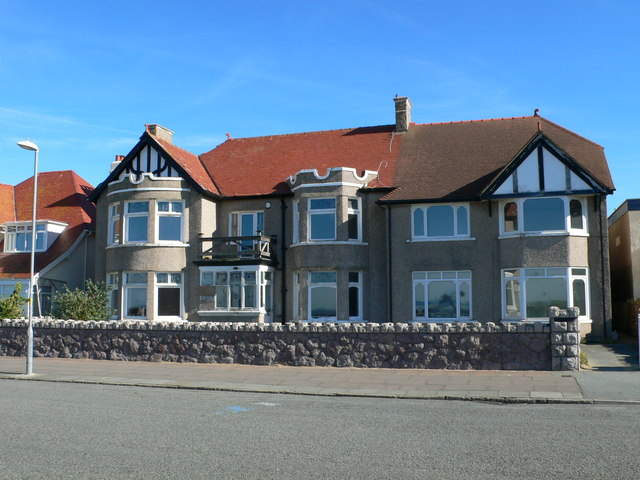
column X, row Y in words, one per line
column 624, row 255
column 490, row 220
column 64, row 235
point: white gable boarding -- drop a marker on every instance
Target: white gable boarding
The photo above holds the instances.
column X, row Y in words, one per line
column 150, row 161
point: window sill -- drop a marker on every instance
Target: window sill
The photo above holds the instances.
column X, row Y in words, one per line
column 543, row 234
column 443, row 320
column 147, row 244
column 440, row 239
column 329, row 242
column 227, row 313
column 582, row 320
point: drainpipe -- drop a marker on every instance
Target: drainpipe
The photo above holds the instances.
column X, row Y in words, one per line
column 283, row 253
column 389, row 264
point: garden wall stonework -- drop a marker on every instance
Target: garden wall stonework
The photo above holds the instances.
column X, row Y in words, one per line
column 482, row 346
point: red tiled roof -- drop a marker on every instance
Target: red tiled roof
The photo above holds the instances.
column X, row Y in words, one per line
column 457, row 161
column 7, row 203
column 63, row 197
column 191, row 164
column 261, row 165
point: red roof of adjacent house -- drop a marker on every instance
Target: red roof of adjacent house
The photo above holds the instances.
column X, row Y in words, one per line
column 62, row 197
column 7, row 203
column 261, row 165
column 457, row 161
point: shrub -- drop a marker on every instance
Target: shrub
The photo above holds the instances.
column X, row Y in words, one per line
column 12, row 306
column 92, row 303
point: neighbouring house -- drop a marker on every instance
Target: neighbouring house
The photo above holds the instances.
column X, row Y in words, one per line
column 489, row 221
column 624, row 255
column 64, row 236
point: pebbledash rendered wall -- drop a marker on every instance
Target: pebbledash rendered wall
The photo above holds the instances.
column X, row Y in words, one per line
column 519, row 346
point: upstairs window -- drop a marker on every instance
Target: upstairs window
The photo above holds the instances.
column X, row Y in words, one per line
column 169, row 222
column 354, row 219
column 543, row 215
column 18, row 238
column 440, row 221
column 114, row 224
column 136, row 222
column 322, row 219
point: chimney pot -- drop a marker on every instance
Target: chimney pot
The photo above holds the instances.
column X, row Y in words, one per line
column 160, row 132
column 403, row 114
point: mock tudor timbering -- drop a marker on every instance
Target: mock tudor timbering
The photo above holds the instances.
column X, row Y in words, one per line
column 488, row 221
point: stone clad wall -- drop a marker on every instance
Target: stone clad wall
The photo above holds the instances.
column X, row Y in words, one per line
column 516, row 346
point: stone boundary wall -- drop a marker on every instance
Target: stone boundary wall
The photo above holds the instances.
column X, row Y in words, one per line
column 482, row 346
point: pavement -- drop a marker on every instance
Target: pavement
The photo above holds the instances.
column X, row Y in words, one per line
column 613, row 376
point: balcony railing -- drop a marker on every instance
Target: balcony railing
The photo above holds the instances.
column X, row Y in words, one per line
column 258, row 247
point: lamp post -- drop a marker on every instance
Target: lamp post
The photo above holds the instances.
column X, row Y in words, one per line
column 28, row 145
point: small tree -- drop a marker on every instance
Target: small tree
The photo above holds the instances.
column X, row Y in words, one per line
column 13, row 305
column 92, row 303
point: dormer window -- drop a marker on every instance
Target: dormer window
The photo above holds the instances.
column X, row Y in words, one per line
column 18, row 236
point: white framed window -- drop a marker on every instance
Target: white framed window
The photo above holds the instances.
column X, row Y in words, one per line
column 321, row 219
column 113, row 285
column 169, row 221
column 246, row 224
column 247, row 288
column 323, row 296
column 439, row 296
column 354, row 219
column 135, row 295
column 136, row 222
column 115, row 228
column 296, row 222
column 18, row 238
column 543, row 215
column 355, row 296
column 168, row 295
column 440, row 221
column 527, row 293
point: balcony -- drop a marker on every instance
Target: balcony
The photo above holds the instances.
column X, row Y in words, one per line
column 237, row 250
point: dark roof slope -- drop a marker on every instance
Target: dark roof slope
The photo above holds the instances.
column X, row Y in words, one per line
column 260, row 165
column 63, row 196
column 457, row 161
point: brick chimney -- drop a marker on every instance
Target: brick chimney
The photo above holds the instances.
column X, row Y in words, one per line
column 403, row 114
column 116, row 162
column 160, row 132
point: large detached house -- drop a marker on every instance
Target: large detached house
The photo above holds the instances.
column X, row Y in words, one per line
column 489, row 221
column 64, row 235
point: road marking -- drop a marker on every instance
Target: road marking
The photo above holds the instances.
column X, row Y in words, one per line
column 267, row 404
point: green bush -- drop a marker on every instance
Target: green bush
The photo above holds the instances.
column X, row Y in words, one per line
column 92, row 303
column 11, row 307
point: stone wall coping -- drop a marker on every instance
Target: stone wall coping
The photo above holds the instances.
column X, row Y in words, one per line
column 291, row 327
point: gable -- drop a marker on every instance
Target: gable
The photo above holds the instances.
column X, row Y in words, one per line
column 543, row 168
column 147, row 160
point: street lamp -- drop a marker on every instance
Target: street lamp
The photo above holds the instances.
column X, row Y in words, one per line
column 28, row 145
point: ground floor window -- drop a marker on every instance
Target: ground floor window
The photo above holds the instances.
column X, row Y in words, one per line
column 135, row 295
column 114, row 298
column 527, row 293
column 237, row 289
column 44, row 301
column 441, row 295
column 169, row 294
column 323, row 296
column 355, row 296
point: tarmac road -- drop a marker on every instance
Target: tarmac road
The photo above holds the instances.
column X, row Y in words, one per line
column 64, row 430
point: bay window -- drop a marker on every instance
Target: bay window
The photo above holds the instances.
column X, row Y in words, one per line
column 114, row 224
column 322, row 219
column 168, row 295
column 135, row 295
column 322, row 296
column 237, row 289
column 355, row 295
column 169, row 221
column 543, row 215
column 136, row 222
column 440, row 221
column 527, row 293
column 354, row 219
column 441, row 295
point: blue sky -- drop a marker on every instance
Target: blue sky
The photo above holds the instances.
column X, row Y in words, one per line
column 82, row 78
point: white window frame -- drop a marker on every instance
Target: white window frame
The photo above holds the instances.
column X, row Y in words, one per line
column 131, row 285
column 457, row 277
column 425, row 213
column 170, row 283
column 170, row 213
column 355, row 284
column 570, row 274
column 11, row 232
column 358, row 213
column 126, row 216
column 255, row 214
column 113, row 285
column 208, row 276
column 114, row 217
column 296, row 222
column 313, row 285
column 322, row 211
column 568, row 230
